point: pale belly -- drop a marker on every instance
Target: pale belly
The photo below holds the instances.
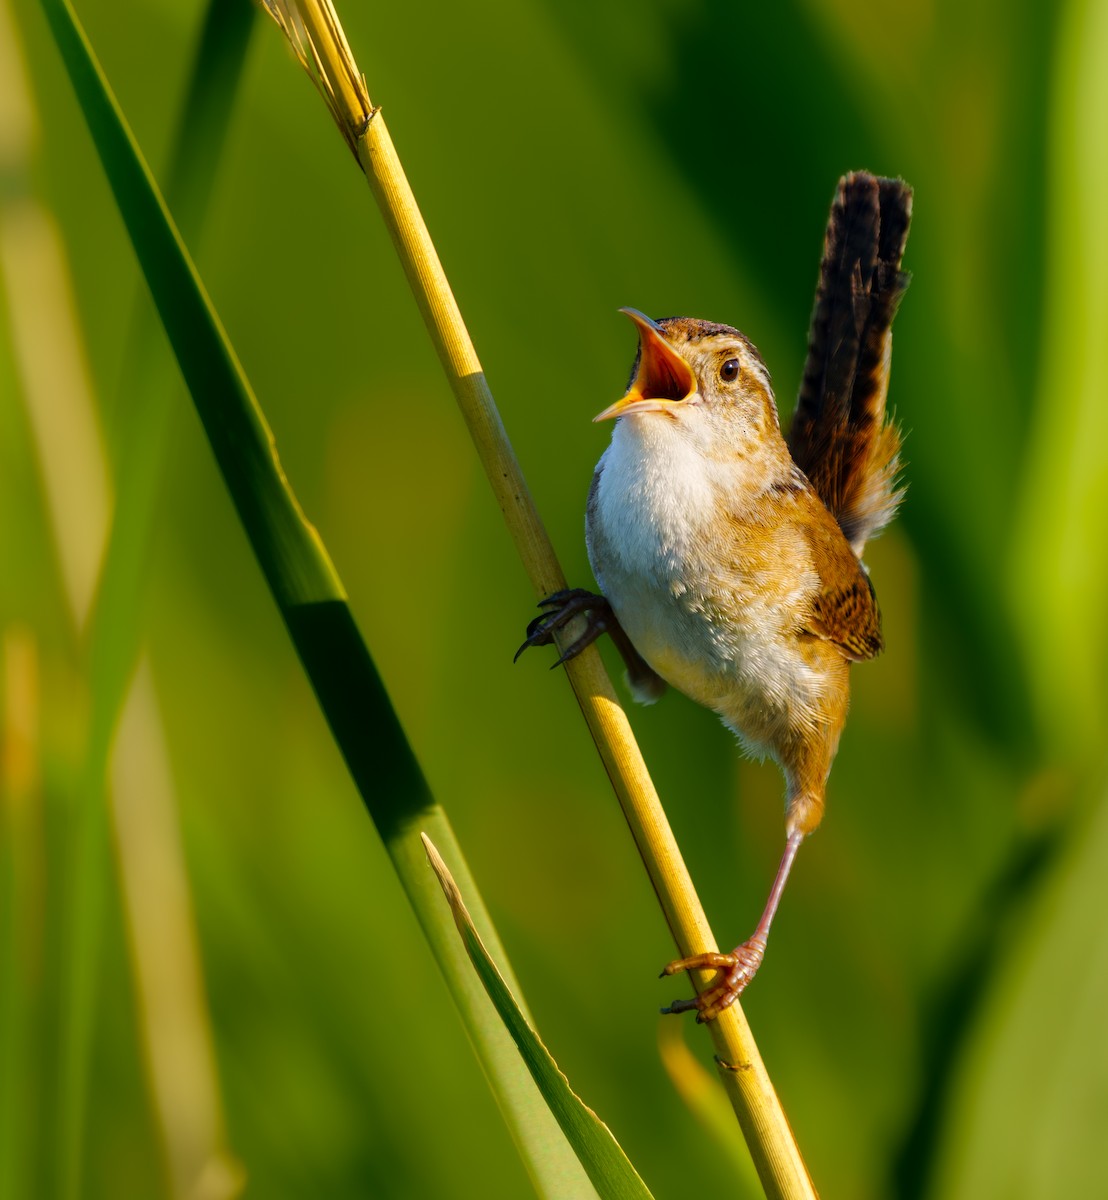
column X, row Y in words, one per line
column 733, row 653
column 727, row 639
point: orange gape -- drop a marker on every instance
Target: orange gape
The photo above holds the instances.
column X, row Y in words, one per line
column 729, row 557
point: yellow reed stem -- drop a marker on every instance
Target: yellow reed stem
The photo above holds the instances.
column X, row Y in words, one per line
column 773, row 1147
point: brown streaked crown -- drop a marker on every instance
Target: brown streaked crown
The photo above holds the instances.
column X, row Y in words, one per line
column 682, row 330
column 691, row 329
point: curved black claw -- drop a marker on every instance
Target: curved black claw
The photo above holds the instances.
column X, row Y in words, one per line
column 733, row 972
column 561, row 608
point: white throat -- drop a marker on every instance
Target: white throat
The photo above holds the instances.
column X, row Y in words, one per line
column 658, row 494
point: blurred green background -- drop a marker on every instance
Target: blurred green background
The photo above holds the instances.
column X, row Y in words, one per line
column 931, row 1008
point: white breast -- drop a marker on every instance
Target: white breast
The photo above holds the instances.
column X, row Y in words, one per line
column 707, row 625
column 653, row 500
column 648, row 546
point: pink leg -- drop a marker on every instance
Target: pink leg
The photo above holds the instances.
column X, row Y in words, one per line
column 737, row 969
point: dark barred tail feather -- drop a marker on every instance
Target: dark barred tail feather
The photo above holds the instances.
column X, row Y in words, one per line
column 840, row 436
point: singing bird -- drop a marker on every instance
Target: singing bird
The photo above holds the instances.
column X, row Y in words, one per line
column 729, row 556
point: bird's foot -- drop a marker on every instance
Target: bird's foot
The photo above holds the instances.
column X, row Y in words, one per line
column 560, row 609
column 734, row 972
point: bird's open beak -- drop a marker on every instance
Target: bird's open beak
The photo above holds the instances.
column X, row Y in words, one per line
column 663, row 378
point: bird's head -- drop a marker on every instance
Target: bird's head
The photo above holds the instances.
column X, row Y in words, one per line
column 708, row 379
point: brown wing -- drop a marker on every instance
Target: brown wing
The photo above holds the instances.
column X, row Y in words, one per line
column 840, row 437
column 844, row 611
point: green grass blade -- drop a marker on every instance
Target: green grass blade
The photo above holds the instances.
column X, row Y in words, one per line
column 112, row 637
column 1057, row 581
column 608, row 1167
column 293, row 560
column 139, row 421
column 308, row 592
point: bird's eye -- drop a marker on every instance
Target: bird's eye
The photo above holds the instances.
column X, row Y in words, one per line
column 729, row 372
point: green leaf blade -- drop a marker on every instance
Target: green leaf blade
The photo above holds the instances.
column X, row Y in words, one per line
column 607, row 1166
column 310, row 595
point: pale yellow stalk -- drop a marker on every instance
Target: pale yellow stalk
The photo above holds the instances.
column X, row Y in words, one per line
column 776, row 1155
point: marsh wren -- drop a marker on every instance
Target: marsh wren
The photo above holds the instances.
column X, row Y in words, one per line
column 729, row 557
